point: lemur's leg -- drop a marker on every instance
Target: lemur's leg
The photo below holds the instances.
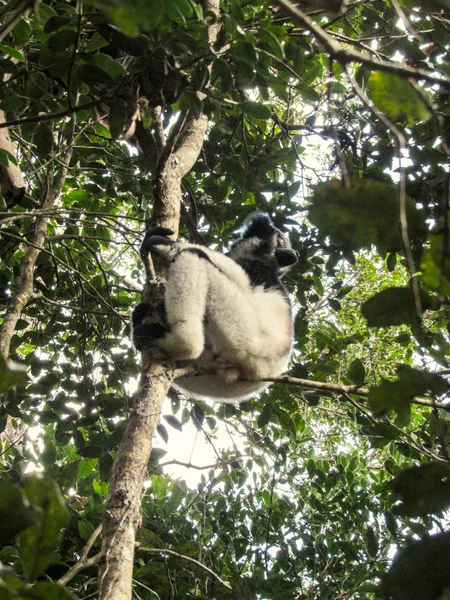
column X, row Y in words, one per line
column 144, row 329
column 185, row 300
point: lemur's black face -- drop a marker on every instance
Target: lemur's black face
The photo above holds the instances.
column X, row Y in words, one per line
column 262, row 242
column 283, row 252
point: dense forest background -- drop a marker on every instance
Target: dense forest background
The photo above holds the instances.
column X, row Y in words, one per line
column 332, row 117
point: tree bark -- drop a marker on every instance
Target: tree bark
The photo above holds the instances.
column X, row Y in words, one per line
column 122, row 508
column 12, row 184
column 121, row 516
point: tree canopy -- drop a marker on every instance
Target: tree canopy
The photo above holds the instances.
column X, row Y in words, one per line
column 333, row 117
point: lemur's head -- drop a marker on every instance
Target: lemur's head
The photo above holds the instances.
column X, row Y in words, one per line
column 261, row 240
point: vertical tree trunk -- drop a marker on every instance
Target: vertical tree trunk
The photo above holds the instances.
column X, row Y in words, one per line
column 122, row 507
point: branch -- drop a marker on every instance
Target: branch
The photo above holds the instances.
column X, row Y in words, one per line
column 187, row 559
column 54, row 116
column 121, row 515
column 15, row 17
column 321, row 386
column 190, row 465
column 81, row 565
column 344, row 389
column 25, row 290
column 84, row 562
column 346, row 56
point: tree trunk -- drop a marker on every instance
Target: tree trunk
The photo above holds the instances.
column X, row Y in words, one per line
column 122, row 507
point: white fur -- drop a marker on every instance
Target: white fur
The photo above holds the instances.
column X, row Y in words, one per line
column 223, row 323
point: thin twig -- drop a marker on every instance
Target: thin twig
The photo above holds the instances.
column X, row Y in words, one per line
column 187, row 559
column 346, row 56
column 42, row 118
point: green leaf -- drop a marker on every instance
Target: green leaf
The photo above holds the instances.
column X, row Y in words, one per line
column 307, row 92
column 45, row 12
column 198, row 415
column 16, row 513
column 174, row 422
column 11, row 373
column 420, row 571
column 93, row 75
column 21, row 33
column 356, row 372
column 397, row 97
column 118, row 116
column 9, row 584
column 391, row 396
column 105, row 465
column 13, row 52
column 393, row 306
column 38, row 543
column 200, row 77
column 221, row 70
column 397, row 395
column 423, row 490
column 265, row 415
column 244, row 51
column 177, row 10
column 91, row 451
column 245, row 73
column 271, row 42
column 163, row 432
column 56, row 22
column 156, row 455
column 132, row 16
column 420, row 382
column 191, row 101
column 109, row 65
column 47, row 590
column 362, row 215
column 96, row 42
column 6, row 158
column 255, row 110
column 435, row 262
column 43, row 140
column 62, row 40
column 36, row 85
column 11, row 103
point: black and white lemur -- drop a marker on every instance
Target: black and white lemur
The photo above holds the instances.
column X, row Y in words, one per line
column 228, row 315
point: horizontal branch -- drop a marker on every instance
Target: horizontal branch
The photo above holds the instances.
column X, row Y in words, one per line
column 187, row 559
column 347, row 389
column 217, row 465
column 6, row 216
column 42, row 118
column 320, row 386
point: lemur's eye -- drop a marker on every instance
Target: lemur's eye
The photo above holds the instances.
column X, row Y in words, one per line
column 281, row 242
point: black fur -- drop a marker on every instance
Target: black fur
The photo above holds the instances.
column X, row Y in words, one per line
column 144, row 333
column 258, row 225
column 286, row 256
column 160, row 234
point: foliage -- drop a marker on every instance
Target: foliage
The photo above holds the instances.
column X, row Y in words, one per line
column 320, row 489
